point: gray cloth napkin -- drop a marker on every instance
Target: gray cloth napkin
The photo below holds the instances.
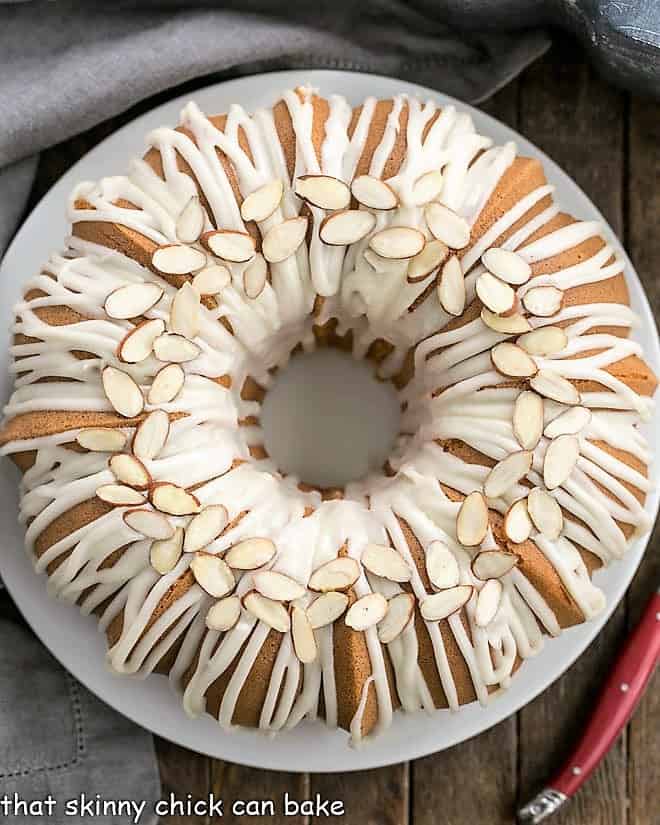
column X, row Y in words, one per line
column 66, row 66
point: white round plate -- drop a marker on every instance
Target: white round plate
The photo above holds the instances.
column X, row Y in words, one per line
column 76, row 642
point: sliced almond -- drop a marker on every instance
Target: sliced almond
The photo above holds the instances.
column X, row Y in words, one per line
column 560, row 459
column 174, row 347
column 448, row 227
column 374, row 193
column 386, row 562
column 400, row 611
column 122, row 392
column 282, row 241
column 176, row 259
column 444, row 603
column 513, row 361
column 261, row 203
column 507, row 472
column 346, row 227
column 441, row 566
column 366, row 612
column 552, row 385
column 570, row 422
column 190, row 223
column 545, row 513
column 184, row 312
column 132, row 300
column 278, row 586
column 167, row 384
column 174, row 500
column 327, row 608
column 543, row 341
column 224, row 614
column 507, row 265
column 528, row 419
column 101, row 440
column 506, row 324
column 494, row 294
column 302, row 635
column 255, row 277
column 488, row 602
column 119, row 494
column 517, row 523
column 205, row 527
column 323, row 191
column 397, row 242
column 138, row 344
column 212, row 574
column 149, row 523
column 493, row 564
column 472, row 520
column 427, row 187
column 451, row 287
column 428, row 260
column 164, row 554
column 337, row 574
column 250, row 554
column 130, row 470
column 230, row 245
column 274, row 614
column 211, row 280
column 151, row 435
column 543, row 301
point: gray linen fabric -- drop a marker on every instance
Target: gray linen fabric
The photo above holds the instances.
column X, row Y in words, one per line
column 66, row 66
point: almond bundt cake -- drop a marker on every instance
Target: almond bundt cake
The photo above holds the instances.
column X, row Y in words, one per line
column 143, row 353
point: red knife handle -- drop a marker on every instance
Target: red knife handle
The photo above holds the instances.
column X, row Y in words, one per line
column 621, row 693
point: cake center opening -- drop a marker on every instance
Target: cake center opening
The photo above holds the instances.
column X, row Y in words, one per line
column 328, row 420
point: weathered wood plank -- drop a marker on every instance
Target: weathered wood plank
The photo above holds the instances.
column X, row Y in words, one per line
column 377, row 797
column 182, row 772
column 237, row 784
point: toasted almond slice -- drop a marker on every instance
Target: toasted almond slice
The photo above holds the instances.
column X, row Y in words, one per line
column 151, row 435
column 552, row 385
column 545, row 513
column 507, row 265
column 397, row 242
column 400, row 610
column 507, row 472
column 427, row 187
column 302, row 635
column 543, row 301
column 174, row 500
column 366, row 612
column 488, row 602
column 164, row 554
column 205, row 527
column 327, row 608
column 346, row 227
column 122, row 392
column 139, row 342
column 224, row 614
column 101, row 440
column 167, row 384
column 444, row 603
column 323, row 191
column 132, row 300
column 528, row 419
column 494, row 294
column 119, row 494
column 517, row 523
column 184, row 312
column 212, row 574
column 261, row 203
column 543, row 341
column 149, row 523
column 560, row 459
column 230, row 245
column 176, row 259
column 250, row 554
column 255, row 277
column 337, row 574
column 174, row 347
column 493, row 564
column 272, row 613
column 472, row 520
column 374, row 193
column 282, row 241
column 211, row 280
column 386, row 562
column 448, row 227
column 278, row 586
column 428, row 260
column 190, row 223
column 506, row 324
column 130, row 470
column 441, row 566
column 513, row 361
column 570, row 422
column 451, row 287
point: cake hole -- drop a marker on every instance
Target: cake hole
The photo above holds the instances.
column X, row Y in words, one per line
column 328, row 420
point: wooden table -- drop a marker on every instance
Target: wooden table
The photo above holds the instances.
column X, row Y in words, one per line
column 608, row 141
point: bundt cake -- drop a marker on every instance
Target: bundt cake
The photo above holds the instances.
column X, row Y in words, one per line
column 144, row 350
